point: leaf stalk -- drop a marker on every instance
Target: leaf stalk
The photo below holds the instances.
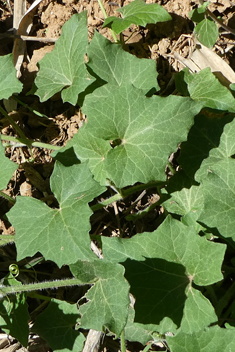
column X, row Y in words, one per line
column 7, row 290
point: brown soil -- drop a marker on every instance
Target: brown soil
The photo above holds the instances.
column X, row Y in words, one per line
column 156, row 42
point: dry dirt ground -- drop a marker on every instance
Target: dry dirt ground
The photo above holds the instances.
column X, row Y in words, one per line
column 156, row 42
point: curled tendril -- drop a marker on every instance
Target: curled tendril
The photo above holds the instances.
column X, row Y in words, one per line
column 14, row 270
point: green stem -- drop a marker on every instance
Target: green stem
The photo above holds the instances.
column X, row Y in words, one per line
column 105, row 16
column 7, row 290
column 37, row 296
column 123, row 342
column 12, row 122
column 5, row 239
column 123, row 194
column 22, row 142
column 106, row 202
column 223, row 302
column 212, row 295
column 10, row 199
column 171, row 168
column 28, row 107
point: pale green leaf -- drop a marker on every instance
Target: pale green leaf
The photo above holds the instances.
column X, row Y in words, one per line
column 139, row 13
column 14, row 314
column 116, row 66
column 147, row 332
column 198, row 312
column 62, row 234
column 64, row 68
column 188, row 203
column 56, row 326
column 214, row 339
column 9, row 83
column 174, row 242
column 7, row 167
column 136, row 331
column 160, row 265
column 142, row 133
column 205, row 87
column 92, row 148
column 207, row 32
column 108, row 299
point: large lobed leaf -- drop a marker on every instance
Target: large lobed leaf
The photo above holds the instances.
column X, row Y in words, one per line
column 129, row 137
column 64, row 68
column 116, row 66
column 211, row 339
column 62, row 234
column 139, row 13
column 160, row 265
column 108, row 299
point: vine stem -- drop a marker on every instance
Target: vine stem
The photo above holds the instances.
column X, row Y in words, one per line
column 123, row 342
column 7, row 197
column 123, row 194
column 223, row 302
column 105, row 16
column 7, row 290
column 23, row 142
column 12, row 122
column 5, row 239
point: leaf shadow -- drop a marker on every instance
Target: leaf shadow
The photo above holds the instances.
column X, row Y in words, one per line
column 55, row 326
column 203, row 136
column 159, row 289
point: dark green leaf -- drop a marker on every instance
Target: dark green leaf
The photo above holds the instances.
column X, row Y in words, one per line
column 116, row 66
column 64, row 68
column 108, row 299
column 139, row 13
column 56, row 326
column 62, row 234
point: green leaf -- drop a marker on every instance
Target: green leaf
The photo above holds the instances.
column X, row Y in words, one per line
column 207, row 32
column 142, row 133
column 147, row 332
column 135, row 331
column 9, row 83
column 56, row 326
column 198, row 312
column 116, row 66
column 166, row 260
column 213, row 339
column 218, row 189
column 7, row 167
column 188, row 203
column 14, row 314
column 204, row 86
column 62, row 234
column 218, row 184
column 223, row 153
column 203, row 136
column 64, row 68
column 108, row 299
column 139, row 13
column 198, row 14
